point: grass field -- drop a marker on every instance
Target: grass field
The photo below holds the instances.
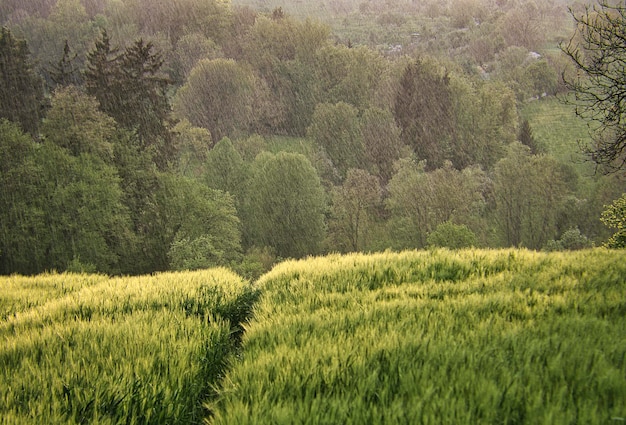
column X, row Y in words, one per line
column 559, row 131
column 420, row 337
column 435, row 337
column 89, row 349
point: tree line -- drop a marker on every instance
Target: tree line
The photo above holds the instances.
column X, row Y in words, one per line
column 125, row 157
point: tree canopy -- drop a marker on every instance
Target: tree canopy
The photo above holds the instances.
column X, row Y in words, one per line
column 140, row 135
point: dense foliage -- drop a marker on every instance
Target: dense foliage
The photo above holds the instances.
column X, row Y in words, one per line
column 139, row 137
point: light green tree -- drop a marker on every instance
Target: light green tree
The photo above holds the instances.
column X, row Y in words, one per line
column 529, row 192
column 282, row 52
column 350, row 75
column 193, row 226
column 225, row 169
column 67, row 21
column 192, row 146
column 485, row 119
column 59, row 209
column 190, row 49
column 219, row 95
column 83, row 210
column 614, row 216
column 419, row 201
column 453, row 236
column 22, row 224
column 337, row 130
column 75, row 122
column 285, row 205
column 353, row 210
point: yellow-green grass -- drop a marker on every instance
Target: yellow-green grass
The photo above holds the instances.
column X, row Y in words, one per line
column 144, row 349
column 20, row 293
column 465, row 337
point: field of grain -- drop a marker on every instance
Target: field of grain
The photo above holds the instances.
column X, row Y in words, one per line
column 477, row 336
column 92, row 349
column 437, row 336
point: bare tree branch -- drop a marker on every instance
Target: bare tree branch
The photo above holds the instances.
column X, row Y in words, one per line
column 598, row 50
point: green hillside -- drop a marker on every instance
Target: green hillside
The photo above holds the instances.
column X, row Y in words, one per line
column 435, row 337
column 559, row 131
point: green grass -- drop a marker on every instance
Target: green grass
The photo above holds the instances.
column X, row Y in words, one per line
column 464, row 337
column 124, row 350
column 435, row 337
column 559, row 131
column 19, row 293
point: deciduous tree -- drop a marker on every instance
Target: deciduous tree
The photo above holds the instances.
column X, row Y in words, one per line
column 219, row 96
column 353, row 210
column 58, row 208
column 22, row 224
column 529, row 191
column 614, row 216
column 598, row 51
column 225, row 169
column 75, row 122
column 419, row 201
column 285, row 205
column 200, row 225
column 337, row 130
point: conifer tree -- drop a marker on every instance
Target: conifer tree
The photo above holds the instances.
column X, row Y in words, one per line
column 21, row 90
column 527, row 138
column 100, row 74
column 65, row 72
column 143, row 104
column 131, row 88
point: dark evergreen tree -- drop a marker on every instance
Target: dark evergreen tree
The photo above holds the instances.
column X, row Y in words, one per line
column 143, row 104
column 423, row 110
column 65, row 72
column 525, row 136
column 131, row 88
column 100, row 74
column 21, row 90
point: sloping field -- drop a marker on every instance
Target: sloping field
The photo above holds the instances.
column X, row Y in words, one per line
column 560, row 132
column 435, row 337
column 90, row 349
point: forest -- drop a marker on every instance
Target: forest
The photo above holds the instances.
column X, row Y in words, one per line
column 140, row 136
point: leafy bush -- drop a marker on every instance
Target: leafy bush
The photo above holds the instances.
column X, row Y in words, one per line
column 614, row 216
column 571, row 240
column 453, row 236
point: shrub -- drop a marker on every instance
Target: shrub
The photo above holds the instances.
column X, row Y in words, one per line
column 453, row 236
column 614, row 216
column 570, row 240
